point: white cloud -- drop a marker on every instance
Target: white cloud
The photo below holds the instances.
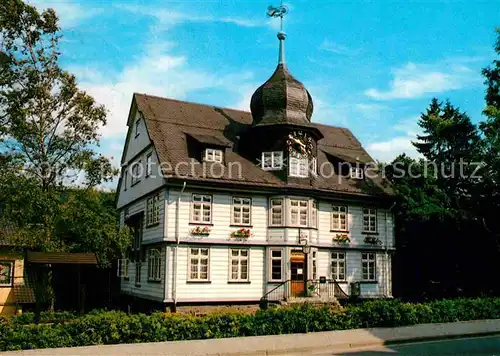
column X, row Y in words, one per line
column 70, row 14
column 156, row 72
column 416, row 80
column 406, row 131
column 170, row 18
column 336, row 48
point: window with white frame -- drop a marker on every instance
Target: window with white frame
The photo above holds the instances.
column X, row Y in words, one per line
column 356, row 172
column 149, row 164
column 368, row 266
column 241, row 211
column 276, row 265
column 138, row 271
column 314, row 166
column 272, row 160
column 298, row 212
column 369, row 220
column 125, row 179
column 137, row 128
column 153, row 210
column 201, row 209
column 6, row 273
column 339, row 218
column 314, row 266
column 338, row 266
column 239, row 265
column 314, row 213
column 276, row 212
column 298, row 167
column 199, row 264
column 122, row 268
column 136, row 172
column 213, row 155
column 154, row 265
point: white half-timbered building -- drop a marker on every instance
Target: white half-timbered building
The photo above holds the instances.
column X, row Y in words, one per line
column 231, row 207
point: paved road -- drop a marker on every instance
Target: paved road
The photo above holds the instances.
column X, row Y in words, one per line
column 470, row 346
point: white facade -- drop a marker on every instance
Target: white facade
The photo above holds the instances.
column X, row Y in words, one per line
column 169, row 220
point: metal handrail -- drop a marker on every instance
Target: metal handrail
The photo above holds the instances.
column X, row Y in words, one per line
column 265, row 296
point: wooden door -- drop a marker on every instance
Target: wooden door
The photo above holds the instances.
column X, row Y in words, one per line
column 297, row 266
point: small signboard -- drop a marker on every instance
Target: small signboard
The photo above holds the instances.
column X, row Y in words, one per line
column 322, row 279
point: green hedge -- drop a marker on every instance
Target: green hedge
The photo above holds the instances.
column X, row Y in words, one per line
column 117, row 327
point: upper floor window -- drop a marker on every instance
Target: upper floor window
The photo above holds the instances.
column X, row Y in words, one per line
column 369, row 220
column 137, row 130
column 299, row 212
column 154, row 265
column 199, row 264
column 6, row 273
column 138, row 272
column 241, row 212
column 201, row 209
column 136, row 172
column 238, row 262
column 314, row 166
column 125, row 179
column 356, row 172
column 339, row 218
column 314, row 213
column 213, row 155
column 272, row 160
column 153, row 210
column 299, row 167
column 368, row 266
column 149, row 164
column 276, row 212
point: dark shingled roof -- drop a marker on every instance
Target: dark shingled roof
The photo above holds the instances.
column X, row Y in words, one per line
column 78, row 258
column 169, row 122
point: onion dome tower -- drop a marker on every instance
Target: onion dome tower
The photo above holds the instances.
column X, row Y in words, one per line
column 282, row 99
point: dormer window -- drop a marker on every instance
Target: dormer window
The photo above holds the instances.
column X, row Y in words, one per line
column 356, row 173
column 213, row 155
column 299, row 167
column 137, row 128
column 272, row 160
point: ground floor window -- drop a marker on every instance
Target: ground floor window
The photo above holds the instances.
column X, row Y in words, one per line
column 138, row 271
column 6, row 273
column 368, row 266
column 199, row 259
column 276, row 265
column 239, row 266
column 154, row 265
column 338, row 266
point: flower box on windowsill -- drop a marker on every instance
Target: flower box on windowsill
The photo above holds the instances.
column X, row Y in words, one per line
column 372, row 240
column 341, row 239
column 241, row 233
column 200, row 231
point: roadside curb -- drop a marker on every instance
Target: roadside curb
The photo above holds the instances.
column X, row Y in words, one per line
column 276, row 345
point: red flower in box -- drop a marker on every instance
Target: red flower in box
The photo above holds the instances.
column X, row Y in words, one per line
column 241, row 233
column 342, row 238
column 200, row 231
column 373, row 240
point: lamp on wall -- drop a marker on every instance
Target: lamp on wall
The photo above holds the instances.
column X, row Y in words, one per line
column 306, row 248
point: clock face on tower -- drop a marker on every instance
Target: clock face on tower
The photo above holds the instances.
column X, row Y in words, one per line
column 300, row 143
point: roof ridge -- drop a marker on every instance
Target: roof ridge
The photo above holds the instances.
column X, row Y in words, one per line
column 191, row 102
column 226, row 108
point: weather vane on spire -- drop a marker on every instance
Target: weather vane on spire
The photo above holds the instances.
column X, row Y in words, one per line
column 279, row 11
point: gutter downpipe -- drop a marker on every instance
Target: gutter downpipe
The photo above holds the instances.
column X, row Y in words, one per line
column 386, row 284
column 177, row 241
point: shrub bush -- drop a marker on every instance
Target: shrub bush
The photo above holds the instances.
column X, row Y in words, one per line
column 112, row 327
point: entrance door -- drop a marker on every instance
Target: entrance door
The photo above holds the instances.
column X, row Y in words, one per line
column 297, row 265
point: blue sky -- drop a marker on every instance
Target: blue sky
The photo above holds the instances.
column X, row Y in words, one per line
column 371, row 66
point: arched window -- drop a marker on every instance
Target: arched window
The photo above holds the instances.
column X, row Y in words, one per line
column 154, row 265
